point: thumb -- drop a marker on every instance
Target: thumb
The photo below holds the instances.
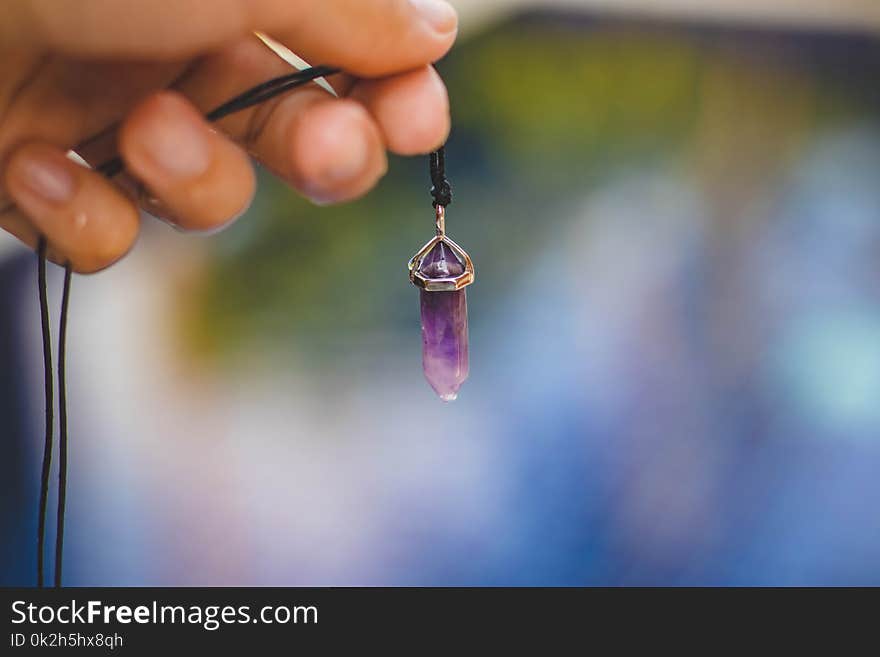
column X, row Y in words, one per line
column 369, row 37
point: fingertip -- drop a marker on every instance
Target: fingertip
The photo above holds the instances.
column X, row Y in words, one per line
column 165, row 137
column 197, row 178
column 336, row 151
column 86, row 220
column 411, row 110
column 373, row 39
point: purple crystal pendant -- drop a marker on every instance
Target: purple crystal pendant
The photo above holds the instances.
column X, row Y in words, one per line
column 442, row 269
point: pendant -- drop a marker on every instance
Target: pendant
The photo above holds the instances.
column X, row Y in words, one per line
column 441, row 270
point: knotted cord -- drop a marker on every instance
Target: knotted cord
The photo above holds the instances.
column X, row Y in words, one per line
column 441, row 189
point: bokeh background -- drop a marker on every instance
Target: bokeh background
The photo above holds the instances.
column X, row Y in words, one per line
column 675, row 335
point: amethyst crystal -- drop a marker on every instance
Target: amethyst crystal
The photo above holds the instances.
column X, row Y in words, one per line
column 444, row 325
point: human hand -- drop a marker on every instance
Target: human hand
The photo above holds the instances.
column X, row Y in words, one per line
column 134, row 77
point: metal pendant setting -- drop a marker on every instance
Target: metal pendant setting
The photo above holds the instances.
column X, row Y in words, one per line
column 441, row 281
column 441, row 270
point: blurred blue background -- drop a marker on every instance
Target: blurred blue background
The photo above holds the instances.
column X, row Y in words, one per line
column 675, row 341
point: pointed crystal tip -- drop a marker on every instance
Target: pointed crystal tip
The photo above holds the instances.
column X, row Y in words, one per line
column 441, row 262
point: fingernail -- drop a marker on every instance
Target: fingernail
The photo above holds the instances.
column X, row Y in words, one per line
column 178, row 146
column 46, row 177
column 439, row 14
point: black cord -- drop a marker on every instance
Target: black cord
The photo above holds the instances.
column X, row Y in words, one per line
column 441, row 188
column 269, row 89
column 50, row 421
column 62, row 425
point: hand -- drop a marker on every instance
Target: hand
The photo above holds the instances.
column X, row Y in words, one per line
column 134, row 77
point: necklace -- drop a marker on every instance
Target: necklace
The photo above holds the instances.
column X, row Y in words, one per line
column 441, row 270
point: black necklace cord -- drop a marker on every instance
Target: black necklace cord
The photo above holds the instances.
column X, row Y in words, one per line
column 50, row 406
column 441, row 188
column 62, row 425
